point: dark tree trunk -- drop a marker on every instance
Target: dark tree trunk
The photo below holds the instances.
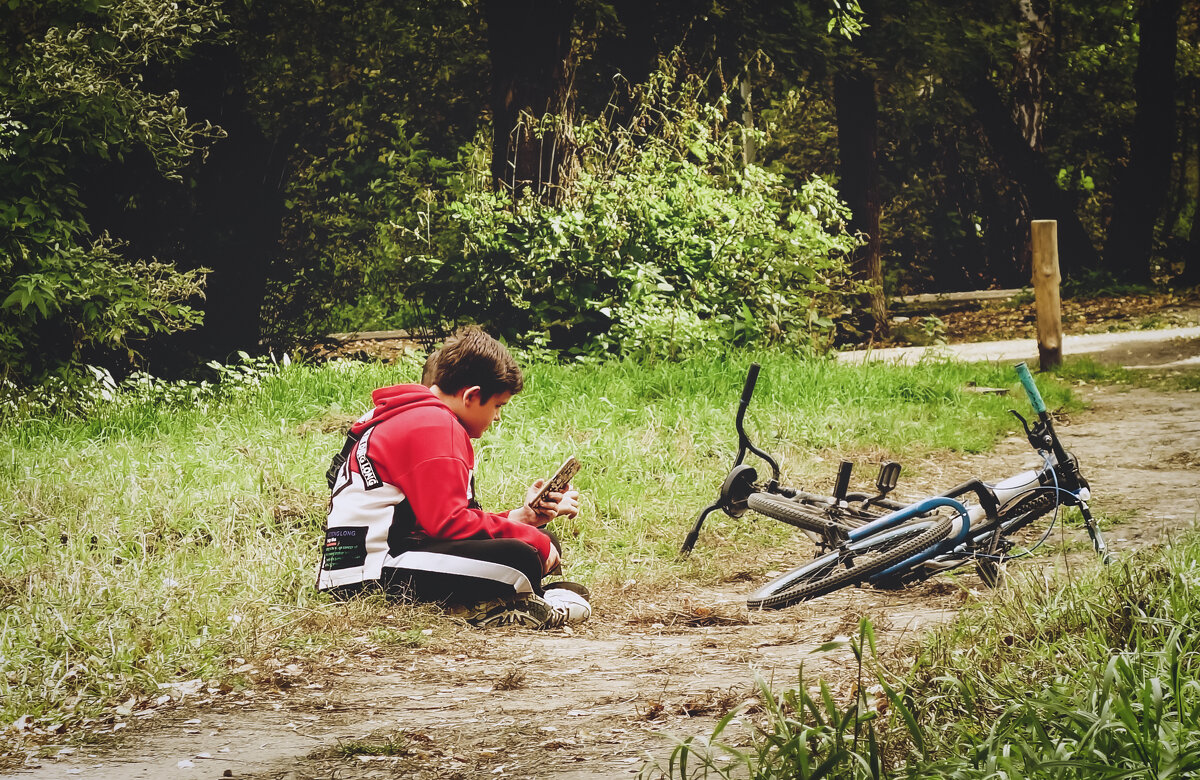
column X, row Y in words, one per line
column 1029, row 94
column 530, row 46
column 1142, row 185
column 1190, row 253
column 1032, row 54
column 1029, row 170
column 239, row 206
column 856, row 106
column 1190, row 277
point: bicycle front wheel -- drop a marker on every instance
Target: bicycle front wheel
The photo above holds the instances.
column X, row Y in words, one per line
column 806, row 517
column 859, row 561
column 990, row 566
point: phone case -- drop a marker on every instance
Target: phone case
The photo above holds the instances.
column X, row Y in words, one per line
column 558, row 483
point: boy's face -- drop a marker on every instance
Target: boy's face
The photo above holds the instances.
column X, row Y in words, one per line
column 476, row 415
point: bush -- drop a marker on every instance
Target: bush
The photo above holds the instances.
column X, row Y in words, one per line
column 75, row 96
column 663, row 242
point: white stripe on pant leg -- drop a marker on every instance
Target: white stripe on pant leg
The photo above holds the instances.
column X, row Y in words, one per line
column 441, row 563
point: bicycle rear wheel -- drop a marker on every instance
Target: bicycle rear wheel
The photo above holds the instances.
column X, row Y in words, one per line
column 859, row 561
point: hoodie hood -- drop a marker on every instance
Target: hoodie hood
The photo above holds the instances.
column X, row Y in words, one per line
column 394, row 400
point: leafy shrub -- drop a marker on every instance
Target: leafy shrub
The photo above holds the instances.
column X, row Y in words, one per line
column 77, row 297
column 80, row 393
column 75, row 96
column 1100, row 283
column 662, row 242
column 354, row 214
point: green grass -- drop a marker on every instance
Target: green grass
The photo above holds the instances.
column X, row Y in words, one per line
column 1095, row 679
column 150, row 542
column 1085, row 370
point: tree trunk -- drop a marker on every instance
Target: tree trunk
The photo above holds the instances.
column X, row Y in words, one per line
column 530, row 46
column 1032, row 52
column 1190, row 254
column 1029, row 170
column 749, row 147
column 1142, row 184
column 856, row 106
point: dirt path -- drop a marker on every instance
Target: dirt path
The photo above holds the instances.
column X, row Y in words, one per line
column 605, row 698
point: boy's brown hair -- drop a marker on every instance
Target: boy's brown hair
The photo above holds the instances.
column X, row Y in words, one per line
column 471, row 357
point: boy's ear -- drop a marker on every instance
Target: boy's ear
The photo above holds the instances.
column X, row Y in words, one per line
column 471, row 394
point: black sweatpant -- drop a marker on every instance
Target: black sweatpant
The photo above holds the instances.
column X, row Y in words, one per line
column 461, row 571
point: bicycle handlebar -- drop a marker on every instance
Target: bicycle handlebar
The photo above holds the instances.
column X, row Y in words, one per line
column 751, row 379
column 1035, row 398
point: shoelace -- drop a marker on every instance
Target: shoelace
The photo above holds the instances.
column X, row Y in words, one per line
column 557, row 617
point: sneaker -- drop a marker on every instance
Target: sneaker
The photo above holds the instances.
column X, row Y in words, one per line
column 574, row 586
column 529, row 612
column 559, row 607
column 568, row 607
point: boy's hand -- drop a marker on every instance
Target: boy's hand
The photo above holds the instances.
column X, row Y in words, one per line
column 566, row 503
column 552, row 561
column 552, row 506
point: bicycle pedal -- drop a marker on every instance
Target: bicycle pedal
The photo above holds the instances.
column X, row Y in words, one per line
column 889, row 475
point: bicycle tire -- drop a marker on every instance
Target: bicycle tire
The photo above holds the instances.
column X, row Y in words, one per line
column 788, row 511
column 1027, row 510
column 830, row 572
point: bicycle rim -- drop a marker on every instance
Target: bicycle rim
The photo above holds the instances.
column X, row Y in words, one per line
column 836, row 570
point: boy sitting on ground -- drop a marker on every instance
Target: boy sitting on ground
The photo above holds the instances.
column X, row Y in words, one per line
column 403, row 515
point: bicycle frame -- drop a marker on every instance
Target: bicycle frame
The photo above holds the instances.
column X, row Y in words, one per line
column 1004, row 493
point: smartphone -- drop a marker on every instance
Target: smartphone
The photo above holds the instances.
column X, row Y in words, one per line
column 559, row 482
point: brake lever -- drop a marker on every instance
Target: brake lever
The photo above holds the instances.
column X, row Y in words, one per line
column 1039, row 436
column 1024, row 424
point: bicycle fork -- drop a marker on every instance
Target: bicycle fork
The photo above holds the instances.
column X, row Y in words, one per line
column 1093, row 529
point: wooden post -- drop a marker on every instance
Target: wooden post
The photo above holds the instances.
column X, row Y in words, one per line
column 1046, row 279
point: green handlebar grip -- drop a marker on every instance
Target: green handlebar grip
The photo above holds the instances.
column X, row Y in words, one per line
column 1035, row 398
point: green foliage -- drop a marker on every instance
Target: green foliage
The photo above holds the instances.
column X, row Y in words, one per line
column 73, row 94
column 795, row 735
column 1097, row 283
column 662, row 243
column 361, row 209
column 380, row 98
column 1095, row 679
column 82, row 297
column 169, row 527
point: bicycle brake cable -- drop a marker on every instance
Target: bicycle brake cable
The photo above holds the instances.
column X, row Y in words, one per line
column 1053, row 520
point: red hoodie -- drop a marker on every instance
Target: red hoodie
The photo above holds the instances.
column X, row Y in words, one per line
column 412, row 450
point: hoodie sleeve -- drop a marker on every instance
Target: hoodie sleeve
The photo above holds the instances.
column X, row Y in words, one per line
column 438, row 488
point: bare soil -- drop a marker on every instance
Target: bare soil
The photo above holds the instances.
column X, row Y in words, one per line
column 600, row 700
column 992, row 320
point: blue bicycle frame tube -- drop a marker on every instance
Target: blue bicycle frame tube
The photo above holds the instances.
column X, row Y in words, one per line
column 907, row 513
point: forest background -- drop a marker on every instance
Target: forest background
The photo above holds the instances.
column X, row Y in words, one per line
column 181, row 181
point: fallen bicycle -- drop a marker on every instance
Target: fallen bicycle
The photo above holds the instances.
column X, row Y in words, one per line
column 873, row 539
